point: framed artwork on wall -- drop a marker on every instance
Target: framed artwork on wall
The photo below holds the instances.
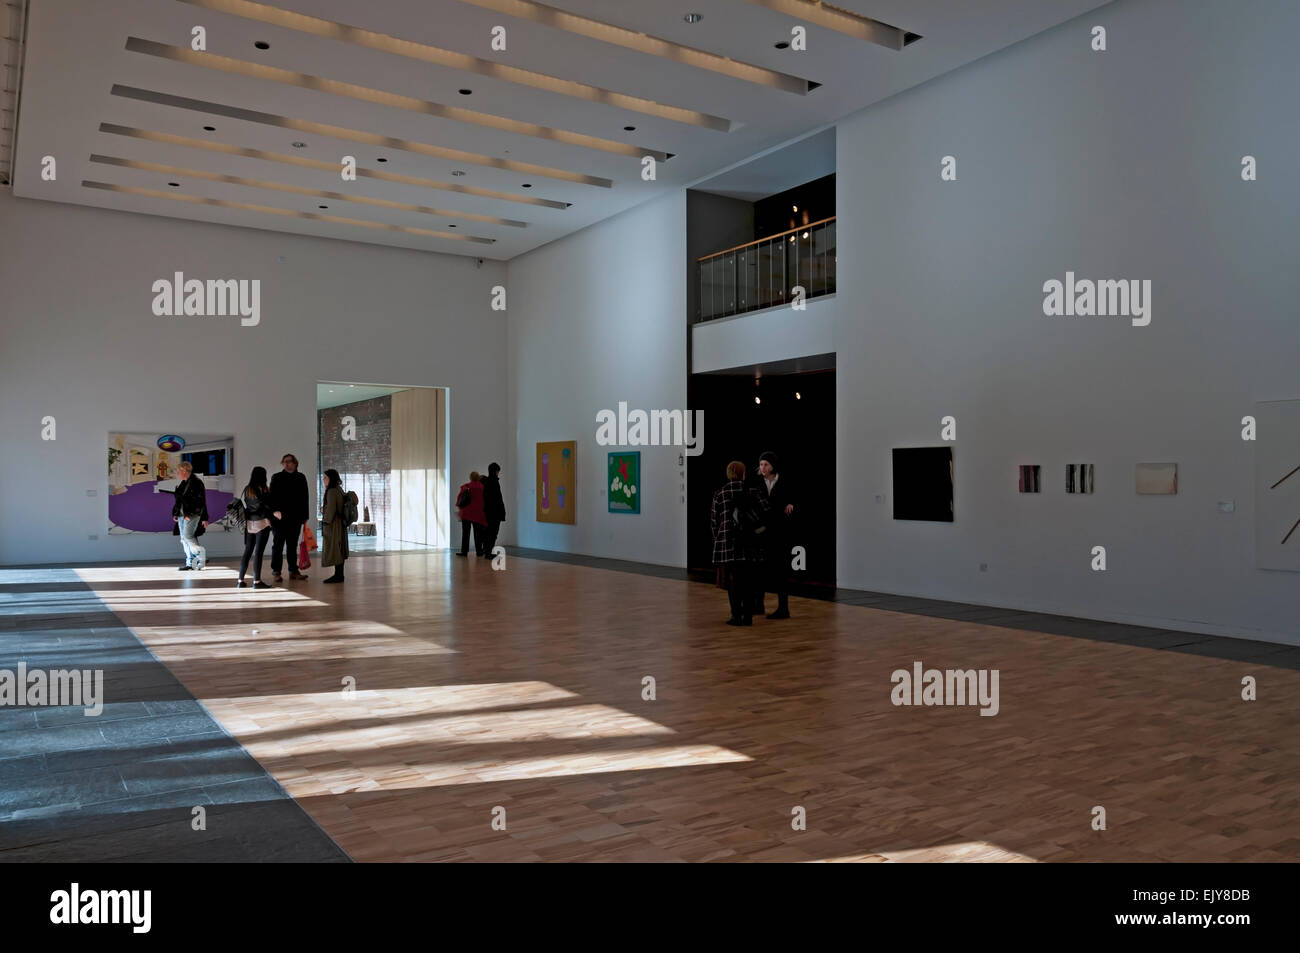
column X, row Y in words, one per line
column 1078, row 478
column 1031, row 479
column 624, row 476
column 555, row 479
column 1277, row 485
column 923, row 484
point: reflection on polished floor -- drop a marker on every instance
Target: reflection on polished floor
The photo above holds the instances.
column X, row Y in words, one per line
column 428, row 697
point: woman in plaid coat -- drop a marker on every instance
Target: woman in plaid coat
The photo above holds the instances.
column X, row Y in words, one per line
column 738, row 555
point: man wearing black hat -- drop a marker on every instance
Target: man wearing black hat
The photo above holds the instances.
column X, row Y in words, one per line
column 779, row 494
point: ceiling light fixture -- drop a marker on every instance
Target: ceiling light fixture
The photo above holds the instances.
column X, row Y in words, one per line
column 209, row 128
column 262, row 45
column 527, row 185
column 783, row 45
column 174, row 185
column 322, row 206
column 381, row 159
column 457, row 171
column 757, row 399
column 794, row 208
column 298, row 145
column 629, row 128
column 693, row 17
column 465, row 92
column 805, row 234
column 798, row 396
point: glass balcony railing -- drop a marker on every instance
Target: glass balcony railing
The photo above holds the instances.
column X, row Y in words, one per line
column 765, row 273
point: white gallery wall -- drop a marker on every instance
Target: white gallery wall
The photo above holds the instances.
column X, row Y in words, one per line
column 79, row 342
column 1118, row 164
column 596, row 318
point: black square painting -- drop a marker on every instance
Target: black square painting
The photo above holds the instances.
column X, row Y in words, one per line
column 923, row 484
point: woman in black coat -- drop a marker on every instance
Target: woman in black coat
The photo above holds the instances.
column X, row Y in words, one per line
column 258, row 514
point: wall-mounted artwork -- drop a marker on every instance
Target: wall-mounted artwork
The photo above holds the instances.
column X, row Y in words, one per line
column 1031, row 479
column 1157, row 478
column 555, row 470
column 624, row 475
column 923, row 482
column 1078, row 478
column 142, row 477
column 1277, row 485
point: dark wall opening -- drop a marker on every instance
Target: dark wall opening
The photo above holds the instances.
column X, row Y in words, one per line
column 801, row 205
column 800, row 430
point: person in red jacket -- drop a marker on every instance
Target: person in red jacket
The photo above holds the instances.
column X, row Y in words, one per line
column 469, row 507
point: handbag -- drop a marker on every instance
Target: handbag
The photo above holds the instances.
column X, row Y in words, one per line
column 464, row 498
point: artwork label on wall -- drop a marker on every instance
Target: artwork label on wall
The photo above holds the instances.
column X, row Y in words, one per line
column 624, row 475
column 1031, row 479
column 1078, row 478
column 1157, row 478
column 143, row 476
column 923, row 484
column 555, row 479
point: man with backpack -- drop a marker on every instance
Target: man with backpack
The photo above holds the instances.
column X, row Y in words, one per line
column 737, row 518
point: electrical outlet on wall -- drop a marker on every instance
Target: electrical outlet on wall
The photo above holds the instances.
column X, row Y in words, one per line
column 880, row 498
column 90, row 493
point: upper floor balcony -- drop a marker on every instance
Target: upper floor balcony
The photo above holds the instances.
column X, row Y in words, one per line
column 768, row 272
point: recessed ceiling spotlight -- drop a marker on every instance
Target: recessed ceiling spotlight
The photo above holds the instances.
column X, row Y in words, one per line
column 805, row 234
column 783, row 45
column 262, row 45
column 298, row 145
column 757, row 399
column 381, row 159
column 798, row 396
column 528, row 185
column 322, row 206
column 629, row 128
column 794, row 208
column 693, row 17
column 457, row 171
column 465, row 92
column 451, row 226
column 209, row 128
column 174, row 185
column 352, row 385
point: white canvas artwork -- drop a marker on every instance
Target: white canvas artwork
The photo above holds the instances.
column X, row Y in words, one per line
column 1157, row 478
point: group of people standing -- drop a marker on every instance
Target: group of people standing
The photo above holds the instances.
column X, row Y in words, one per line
column 481, row 509
column 752, row 532
column 274, row 511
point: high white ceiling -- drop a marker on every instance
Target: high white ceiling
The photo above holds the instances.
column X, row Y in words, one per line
column 113, row 79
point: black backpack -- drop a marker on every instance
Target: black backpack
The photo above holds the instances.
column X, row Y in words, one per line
column 747, row 519
column 349, row 509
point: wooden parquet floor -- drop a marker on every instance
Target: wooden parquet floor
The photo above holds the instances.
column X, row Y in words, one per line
column 522, row 690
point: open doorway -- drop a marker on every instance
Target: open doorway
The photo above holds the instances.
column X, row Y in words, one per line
column 787, row 408
column 389, row 445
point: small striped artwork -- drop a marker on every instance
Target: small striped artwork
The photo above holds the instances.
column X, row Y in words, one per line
column 1030, row 481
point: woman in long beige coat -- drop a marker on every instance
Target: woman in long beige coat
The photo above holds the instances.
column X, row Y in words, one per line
column 334, row 542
